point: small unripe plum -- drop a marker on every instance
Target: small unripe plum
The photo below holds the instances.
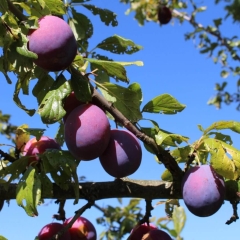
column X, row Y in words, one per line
column 70, row 103
column 164, row 15
column 34, row 147
column 203, row 190
column 87, row 132
column 156, row 234
column 53, row 42
column 138, row 232
column 82, row 229
column 49, row 230
column 123, row 155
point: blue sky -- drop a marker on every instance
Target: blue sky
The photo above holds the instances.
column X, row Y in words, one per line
column 171, row 65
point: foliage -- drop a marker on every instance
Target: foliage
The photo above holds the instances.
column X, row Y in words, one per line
column 111, row 89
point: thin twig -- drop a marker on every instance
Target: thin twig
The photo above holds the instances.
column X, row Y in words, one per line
column 76, row 216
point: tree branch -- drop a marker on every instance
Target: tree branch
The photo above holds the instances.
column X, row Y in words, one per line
column 224, row 41
column 146, row 189
column 119, row 188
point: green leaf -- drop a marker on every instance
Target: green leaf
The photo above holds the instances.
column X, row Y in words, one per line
column 46, row 185
column 224, row 74
column 3, row 8
column 126, row 100
column 169, row 139
column 232, row 187
column 179, row 219
column 51, row 109
column 3, row 238
column 63, row 168
column 231, row 125
column 44, row 84
column 119, row 45
column 181, row 154
column 81, row 87
column 219, row 159
column 20, row 84
column 137, row 63
column 14, row 170
column 165, row 104
column 56, row 7
column 39, row 8
column 81, row 26
column 25, row 52
column 28, row 192
column 106, row 16
column 223, row 137
column 113, row 69
column 60, row 134
column 37, row 132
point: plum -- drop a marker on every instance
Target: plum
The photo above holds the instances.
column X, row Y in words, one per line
column 34, row 147
column 53, row 42
column 82, row 229
column 49, row 230
column 87, row 132
column 70, row 103
column 123, row 155
column 138, row 232
column 164, row 15
column 203, row 190
column 156, row 234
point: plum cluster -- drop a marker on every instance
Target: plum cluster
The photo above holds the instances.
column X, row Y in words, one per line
column 82, row 229
column 54, row 43
column 203, row 190
column 88, row 136
column 148, row 232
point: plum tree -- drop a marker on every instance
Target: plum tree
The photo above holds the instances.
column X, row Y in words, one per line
column 164, row 14
column 70, row 103
column 53, row 42
column 51, row 229
column 138, row 232
column 203, row 190
column 123, row 155
column 87, row 132
column 82, row 229
column 156, row 234
column 101, row 80
column 34, row 147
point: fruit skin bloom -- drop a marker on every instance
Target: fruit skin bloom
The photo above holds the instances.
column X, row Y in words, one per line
column 203, row 190
column 53, row 42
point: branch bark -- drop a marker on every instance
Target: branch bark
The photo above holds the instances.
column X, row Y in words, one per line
column 119, row 188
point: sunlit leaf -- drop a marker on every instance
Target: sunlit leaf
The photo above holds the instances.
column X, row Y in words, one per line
column 119, row 45
column 126, row 100
column 28, row 192
column 231, row 125
column 165, row 104
column 179, row 219
column 219, row 159
column 51, row 109
column 113, row 69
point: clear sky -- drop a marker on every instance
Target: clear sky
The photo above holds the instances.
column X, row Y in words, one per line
column 171, row 65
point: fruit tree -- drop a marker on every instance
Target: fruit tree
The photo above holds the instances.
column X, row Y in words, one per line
column 78, row 88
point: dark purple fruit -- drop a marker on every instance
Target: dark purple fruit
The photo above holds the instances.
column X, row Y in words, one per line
column 164, row 15
column 203, row 190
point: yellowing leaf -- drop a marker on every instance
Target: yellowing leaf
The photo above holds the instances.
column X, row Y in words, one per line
column 219, row 159
column 22, row 137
